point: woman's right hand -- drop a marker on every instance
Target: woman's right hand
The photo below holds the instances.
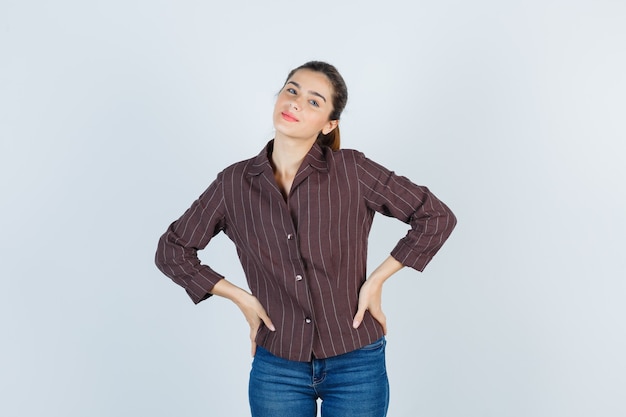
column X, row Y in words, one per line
column 255, row 314
column 249, row 305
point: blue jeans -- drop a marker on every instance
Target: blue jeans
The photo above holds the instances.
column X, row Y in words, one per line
column 350, row 385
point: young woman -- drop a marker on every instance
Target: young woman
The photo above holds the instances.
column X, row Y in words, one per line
column 299, row 214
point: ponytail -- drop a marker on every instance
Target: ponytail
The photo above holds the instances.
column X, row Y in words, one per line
column 332, row 139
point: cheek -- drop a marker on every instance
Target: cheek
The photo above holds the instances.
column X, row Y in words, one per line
column 277, row 104
column 280, row 101
column 321, row 120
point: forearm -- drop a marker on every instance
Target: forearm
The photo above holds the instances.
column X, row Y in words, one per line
column 177, row 250
column 226, row 289
column 180, row 262
column 385, row 270
column 431, row 225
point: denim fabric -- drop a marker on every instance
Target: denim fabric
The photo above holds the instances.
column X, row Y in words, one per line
column 350, row 385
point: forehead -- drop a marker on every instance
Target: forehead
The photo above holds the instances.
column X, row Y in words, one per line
column 312, row 80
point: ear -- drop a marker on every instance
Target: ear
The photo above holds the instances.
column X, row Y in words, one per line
column 330, row 126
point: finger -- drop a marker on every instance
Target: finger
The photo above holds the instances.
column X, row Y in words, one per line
column 267, row 321
column 253, row 333
column 358, row 318
column 260, row 312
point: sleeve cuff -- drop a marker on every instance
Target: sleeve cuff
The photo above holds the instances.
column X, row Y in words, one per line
column 200, row 286
column 408, row 257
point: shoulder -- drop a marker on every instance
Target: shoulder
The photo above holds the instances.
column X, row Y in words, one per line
column 344, row 156
column 248, row 167
column 357, row 159
column 240, row 167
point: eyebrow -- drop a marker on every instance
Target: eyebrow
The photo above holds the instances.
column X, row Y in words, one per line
column 315, row 93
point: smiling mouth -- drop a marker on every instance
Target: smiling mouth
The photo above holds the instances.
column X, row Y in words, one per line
column 289, row 117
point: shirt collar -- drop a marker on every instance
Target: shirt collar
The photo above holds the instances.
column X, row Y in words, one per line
column 315, row 158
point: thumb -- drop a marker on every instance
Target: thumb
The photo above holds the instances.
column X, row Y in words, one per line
column 358, row 318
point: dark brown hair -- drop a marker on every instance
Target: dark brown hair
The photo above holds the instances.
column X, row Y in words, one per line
column 339, row 98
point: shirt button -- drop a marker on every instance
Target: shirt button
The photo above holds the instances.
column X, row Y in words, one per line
column 307, row 320
column 298, row 277
column 289, row 236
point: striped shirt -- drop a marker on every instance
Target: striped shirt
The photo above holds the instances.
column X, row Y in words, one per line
column 304, row 257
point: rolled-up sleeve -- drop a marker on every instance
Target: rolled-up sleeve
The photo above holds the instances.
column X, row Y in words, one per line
column 430, row 219
column 176, row 254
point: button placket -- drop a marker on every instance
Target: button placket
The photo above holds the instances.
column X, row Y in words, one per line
column 298, row 277
column 290, row 236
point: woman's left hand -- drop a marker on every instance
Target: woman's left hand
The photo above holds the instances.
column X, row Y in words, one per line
column 370, row 299
column 370, row 295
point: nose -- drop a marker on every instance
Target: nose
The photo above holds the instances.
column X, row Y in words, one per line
column 294, row 104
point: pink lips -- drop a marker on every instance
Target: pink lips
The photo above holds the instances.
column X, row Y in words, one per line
column 289, row 117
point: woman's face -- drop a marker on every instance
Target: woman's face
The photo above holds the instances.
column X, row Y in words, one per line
column 303, row 106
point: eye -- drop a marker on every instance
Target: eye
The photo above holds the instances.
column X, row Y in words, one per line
column 291, row 91
column 314, row 103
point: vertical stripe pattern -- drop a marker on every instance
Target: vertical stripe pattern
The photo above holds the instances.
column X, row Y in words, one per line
column 305, row 257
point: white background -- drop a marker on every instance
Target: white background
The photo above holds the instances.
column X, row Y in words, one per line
column 115, row 115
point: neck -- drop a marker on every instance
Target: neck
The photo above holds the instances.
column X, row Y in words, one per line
column 287, row 155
